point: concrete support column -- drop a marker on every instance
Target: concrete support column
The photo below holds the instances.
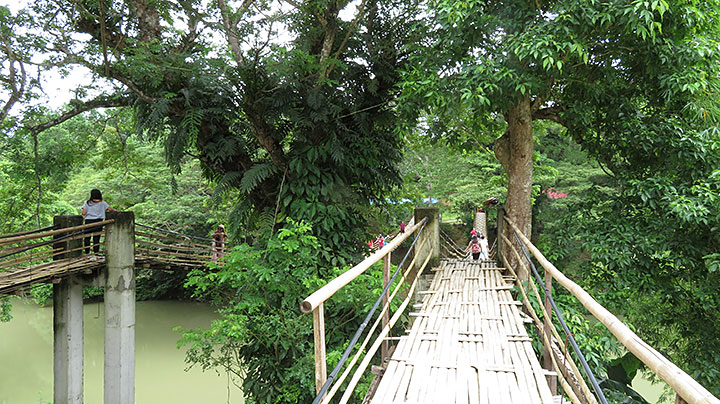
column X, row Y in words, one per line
column 431, row 233
column 67, row 324
column 120, row 309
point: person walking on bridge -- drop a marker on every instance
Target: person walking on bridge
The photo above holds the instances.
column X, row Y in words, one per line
column 484, row 249
column 474, row 247
column 218, row 246
column 94, row 211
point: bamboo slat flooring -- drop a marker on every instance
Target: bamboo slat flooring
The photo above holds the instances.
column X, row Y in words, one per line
column 467, row 345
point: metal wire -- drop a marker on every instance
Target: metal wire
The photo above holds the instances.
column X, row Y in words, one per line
column 569, row 335
column 364, row 324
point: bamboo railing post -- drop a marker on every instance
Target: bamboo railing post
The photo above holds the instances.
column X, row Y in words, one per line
column 547, row 353
column 500, row 228
column 319, row 333
column 385, row 300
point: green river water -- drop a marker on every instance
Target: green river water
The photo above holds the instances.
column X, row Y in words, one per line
column 26, row 357
column 160, row 377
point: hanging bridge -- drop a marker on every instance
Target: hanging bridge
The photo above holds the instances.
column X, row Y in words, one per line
column 51, row 254
column 57, row 255
column 461, row 333
column 460, row 329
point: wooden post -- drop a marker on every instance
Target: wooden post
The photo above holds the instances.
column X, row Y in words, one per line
column 386, row 315
column 67, row 323
column 679, row 400
column 547, row 352
column 320, row 362
column 499, row 244
column 120, row 309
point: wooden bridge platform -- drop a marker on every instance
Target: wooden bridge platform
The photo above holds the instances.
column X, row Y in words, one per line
column 468, row 344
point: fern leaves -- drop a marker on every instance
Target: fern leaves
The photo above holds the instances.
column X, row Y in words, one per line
column 255, row 175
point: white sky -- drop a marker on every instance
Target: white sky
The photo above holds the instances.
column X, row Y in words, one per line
column 59, row 90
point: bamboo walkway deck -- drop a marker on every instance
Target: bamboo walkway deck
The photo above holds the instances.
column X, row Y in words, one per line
column 467, row 345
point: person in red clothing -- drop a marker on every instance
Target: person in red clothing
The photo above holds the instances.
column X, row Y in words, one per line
column 218, row 246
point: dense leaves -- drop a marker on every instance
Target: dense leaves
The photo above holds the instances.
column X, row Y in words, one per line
column 261, row 337
column 289, row 103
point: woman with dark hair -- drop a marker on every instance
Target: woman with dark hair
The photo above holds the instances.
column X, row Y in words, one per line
column 474, row 247
column 94, row 211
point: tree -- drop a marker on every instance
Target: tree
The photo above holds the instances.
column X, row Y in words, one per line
column 595, row 67
column 291, row 107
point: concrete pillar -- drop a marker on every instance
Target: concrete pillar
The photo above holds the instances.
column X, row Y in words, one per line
column 431, row 233
column 67, row 324
column 120, row 309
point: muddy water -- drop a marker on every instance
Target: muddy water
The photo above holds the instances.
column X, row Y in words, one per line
column 160, row 377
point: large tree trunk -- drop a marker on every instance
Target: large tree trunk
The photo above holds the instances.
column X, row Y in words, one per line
column 514, row 150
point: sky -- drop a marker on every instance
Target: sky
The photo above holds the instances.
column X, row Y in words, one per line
column 59, row 90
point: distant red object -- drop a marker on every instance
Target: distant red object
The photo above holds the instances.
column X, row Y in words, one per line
column 552, row 194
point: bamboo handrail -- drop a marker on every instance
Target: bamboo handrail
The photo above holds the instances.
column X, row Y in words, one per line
column 183, row 242
column 172, row 254
column 684, row 385
column 13, row 240
column 386, row 307
column 22, row 233
column 376, row 345
column 541, row 326
column 171, row 246
column 325, row 292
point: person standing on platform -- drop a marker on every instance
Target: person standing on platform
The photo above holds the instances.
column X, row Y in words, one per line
column 94, row 211
column 218, row 246
column 402, row 226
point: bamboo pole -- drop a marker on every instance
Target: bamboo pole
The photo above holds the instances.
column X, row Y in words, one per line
column 324, row 293
column 581, row 385
column 386, row 308
column 385, row 301
column 363, row 365
column 319, row 334
column 688, row 389
column 13, row 240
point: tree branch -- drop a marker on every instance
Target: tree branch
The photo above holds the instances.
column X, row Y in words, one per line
column 550, row 114
column 101, row 102
column 230, row 29
column 15, row 91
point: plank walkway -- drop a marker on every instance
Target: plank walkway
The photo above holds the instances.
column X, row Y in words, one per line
column 468, row 344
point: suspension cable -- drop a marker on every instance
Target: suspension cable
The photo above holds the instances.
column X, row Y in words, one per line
column 364, row 324
column 581, row 357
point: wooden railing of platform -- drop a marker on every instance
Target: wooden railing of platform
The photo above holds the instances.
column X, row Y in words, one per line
column 687, row 389
column 315, row 304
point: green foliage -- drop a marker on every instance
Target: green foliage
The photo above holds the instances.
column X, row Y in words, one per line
column 261, row 337
column 5, row 309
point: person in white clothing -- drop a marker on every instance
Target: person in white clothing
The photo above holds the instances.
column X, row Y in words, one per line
column 94, row 211
column 484, row 249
